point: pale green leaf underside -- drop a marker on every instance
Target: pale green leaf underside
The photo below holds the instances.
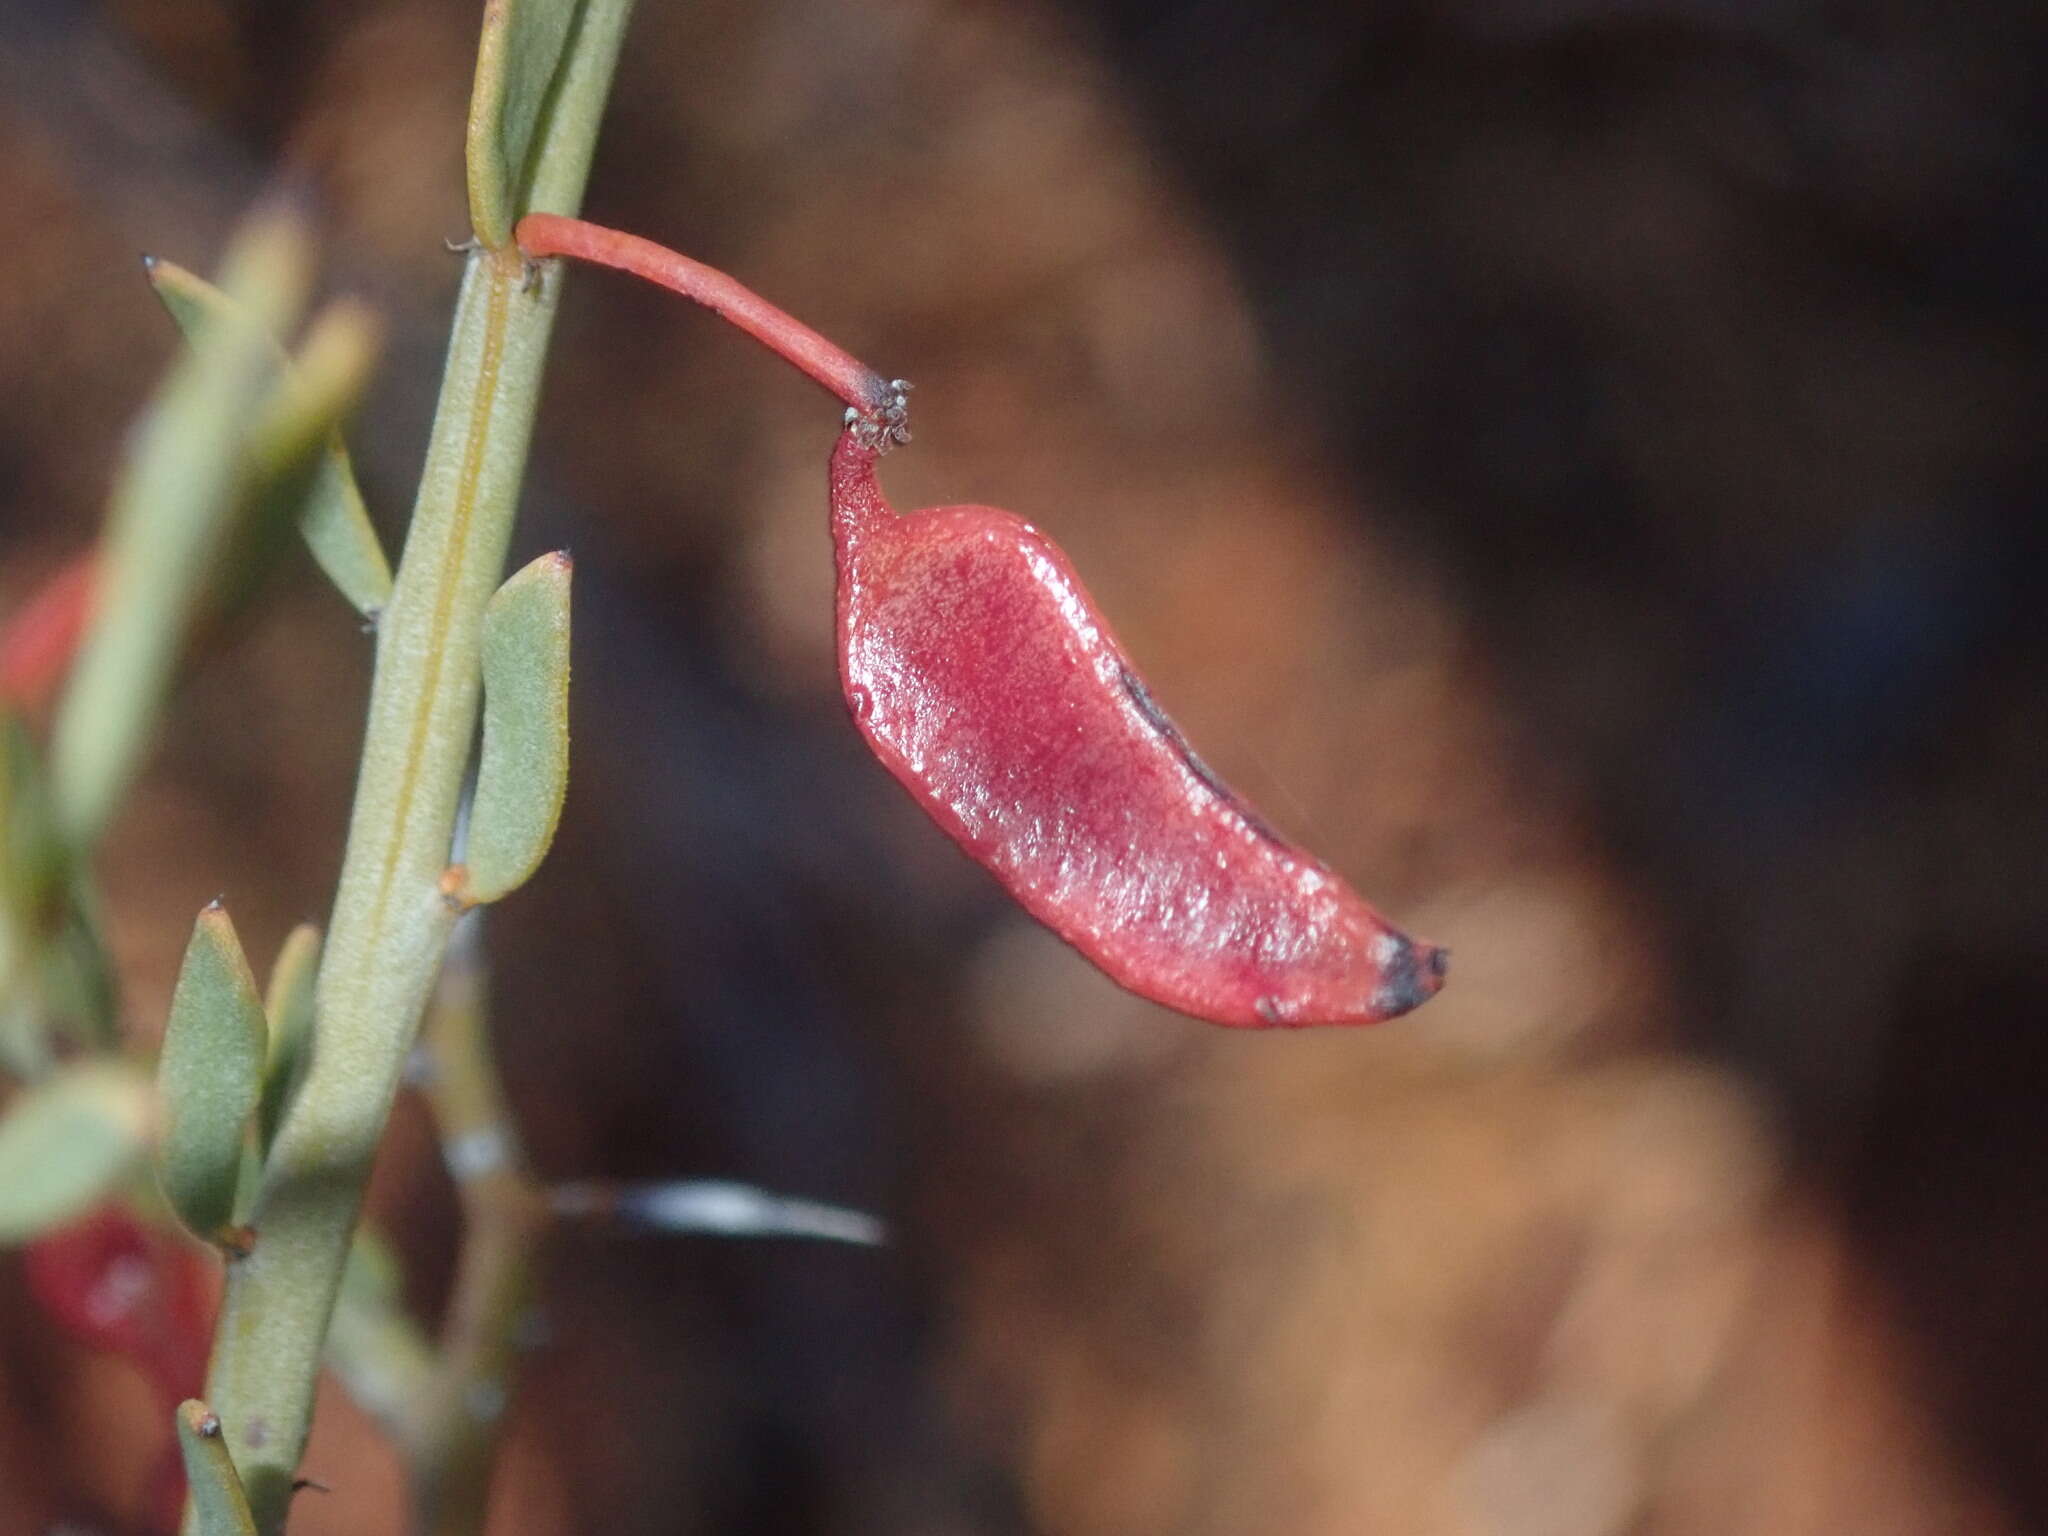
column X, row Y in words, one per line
column 171, row 516
column 524, row 770
column 288, row 1004
column 521, row 49
column 209, row 1075
column 67, row 1142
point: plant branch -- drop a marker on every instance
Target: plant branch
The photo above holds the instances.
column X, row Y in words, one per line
column 390, row 923
column 450, row 1437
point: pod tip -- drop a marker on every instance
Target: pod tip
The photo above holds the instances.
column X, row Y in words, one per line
column 1411, row 976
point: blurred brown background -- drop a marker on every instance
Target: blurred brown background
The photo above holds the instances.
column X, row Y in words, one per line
column 1575, row 462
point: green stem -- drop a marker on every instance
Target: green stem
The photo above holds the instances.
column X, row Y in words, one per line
column 453, row 1438
column 390, row 923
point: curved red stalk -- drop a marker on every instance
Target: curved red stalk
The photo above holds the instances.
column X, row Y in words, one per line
column 550, row 234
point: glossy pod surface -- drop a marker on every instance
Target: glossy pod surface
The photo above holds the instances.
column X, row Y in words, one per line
column 982, row 676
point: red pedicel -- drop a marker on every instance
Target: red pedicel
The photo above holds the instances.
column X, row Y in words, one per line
column 979, row 671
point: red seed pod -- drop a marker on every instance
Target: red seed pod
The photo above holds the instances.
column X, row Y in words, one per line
column 981, row 674
column 38, row 639
column 115, row 1284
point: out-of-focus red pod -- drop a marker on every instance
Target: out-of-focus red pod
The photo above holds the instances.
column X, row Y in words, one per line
column 115, row 1284
column 39, row 638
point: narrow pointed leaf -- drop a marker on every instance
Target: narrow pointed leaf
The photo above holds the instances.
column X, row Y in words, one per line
column 521, row 49
column 321, row 385
column 289, row 451
column 67, row 1142
column 524, row 770
column 172, row 510
column 193, row 302
column 288, row 1003
column 218, row 1507
column 210, row 1075
column 333, row 518
column 570, row 117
